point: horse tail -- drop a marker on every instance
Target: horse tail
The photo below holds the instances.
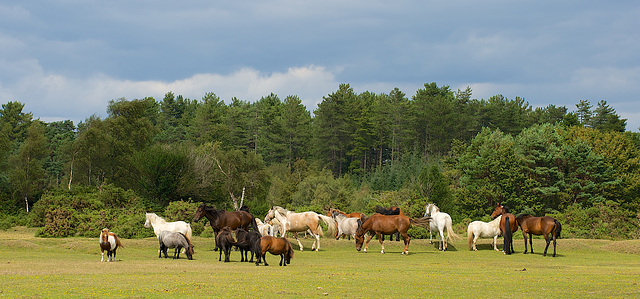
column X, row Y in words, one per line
column 331, row 224
column 254, row 224
column 451, row 235
column 470, row 237
column 421, row 222
column 188, row 233
column 507, row 235
column 558, row 228
column 118, row 243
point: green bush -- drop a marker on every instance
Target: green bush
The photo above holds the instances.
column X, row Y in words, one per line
column 185, row 211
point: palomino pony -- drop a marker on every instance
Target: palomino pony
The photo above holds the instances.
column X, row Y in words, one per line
column 440, row 221
column 507, row 229
column 539, row 226
column 160, row 225
column 275, row 246
column 300, row 222
column 357, row 215
column 346, row 226
column 387, row 224
column 265, row 229
column 109, row 242
column 168, row 239
column 479, row 229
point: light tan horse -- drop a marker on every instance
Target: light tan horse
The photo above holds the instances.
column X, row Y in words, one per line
column 300, row 222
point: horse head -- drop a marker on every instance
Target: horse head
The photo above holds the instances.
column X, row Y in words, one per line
column 499, row 210
column 199, row 213
column 104, row 236
column 148, row 217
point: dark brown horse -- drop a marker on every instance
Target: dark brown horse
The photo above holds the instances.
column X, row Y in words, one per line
column 507, row 234
column 221, row 218
column 387, row 225
column 275, row 246
column 544, row 226
column 224, row 242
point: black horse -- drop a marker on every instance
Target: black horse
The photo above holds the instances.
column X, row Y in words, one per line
column 247, row 241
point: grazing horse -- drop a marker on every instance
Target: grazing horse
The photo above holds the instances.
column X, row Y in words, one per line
column 539, row 226
column 246, row 242
column 275, row 246
column 506, row 233
column 346, row 226
column 218, row 219
column 479, row 229
column 388, row 224
column 168, row 239
column 389, row 211
column 440, row 221
column 160, row 225
column 224, row 242
column 300, row 222
column 109, row 242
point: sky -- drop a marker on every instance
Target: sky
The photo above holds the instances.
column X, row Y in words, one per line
column 66, row 59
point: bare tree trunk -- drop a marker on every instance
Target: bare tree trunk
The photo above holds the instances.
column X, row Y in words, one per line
column 70, row 173
column 26, row 201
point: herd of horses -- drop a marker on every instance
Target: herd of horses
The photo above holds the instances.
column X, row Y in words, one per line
column 258, row 237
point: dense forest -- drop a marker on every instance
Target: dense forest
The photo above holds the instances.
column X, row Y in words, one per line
column 354, row 152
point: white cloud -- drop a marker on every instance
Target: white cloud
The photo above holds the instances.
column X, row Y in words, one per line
column 55, row 97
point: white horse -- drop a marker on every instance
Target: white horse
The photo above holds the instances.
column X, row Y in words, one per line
column 160, row 225
column 265, row 229
column 346, row 226
column 440, row 221
column 300, row 222
column 479, row 229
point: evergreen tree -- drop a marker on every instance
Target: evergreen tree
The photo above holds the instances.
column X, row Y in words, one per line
column 26, row 172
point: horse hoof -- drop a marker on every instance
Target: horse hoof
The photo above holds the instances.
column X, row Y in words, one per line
column 382, row 251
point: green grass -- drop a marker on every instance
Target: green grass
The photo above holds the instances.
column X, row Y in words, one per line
column 35, row 267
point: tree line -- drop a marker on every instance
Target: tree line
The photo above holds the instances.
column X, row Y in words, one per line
column 354, row 152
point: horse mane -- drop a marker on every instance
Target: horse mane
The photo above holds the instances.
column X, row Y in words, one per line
column 188, row 242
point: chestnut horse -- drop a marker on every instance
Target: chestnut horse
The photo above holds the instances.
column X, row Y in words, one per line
column 221, row 218
column 275, row 246
column 511, row 228
column 109, row 242
column 389, row 211
column 387, row 225
column 539, row 226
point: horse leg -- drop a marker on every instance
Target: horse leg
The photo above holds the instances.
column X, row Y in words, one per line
column 102, row 258
column 546, row 238
column 295, row 235
column 554, row 242
column 366, row 244
column 430, row 236
column 381, row 242
column 220, row 257
column 530, row 242
column 398, row 236
column 495, row 243
column 407, row 240
column 443, row 242
column 524, row 234
column 114, row 255
column 282, row 260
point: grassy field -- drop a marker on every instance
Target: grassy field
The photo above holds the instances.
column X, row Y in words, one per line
column 70, row 267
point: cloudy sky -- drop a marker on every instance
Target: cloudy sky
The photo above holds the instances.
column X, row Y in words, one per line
column 65, row 59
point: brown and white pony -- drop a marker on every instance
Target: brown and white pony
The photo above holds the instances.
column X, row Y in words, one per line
column 109, row 242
